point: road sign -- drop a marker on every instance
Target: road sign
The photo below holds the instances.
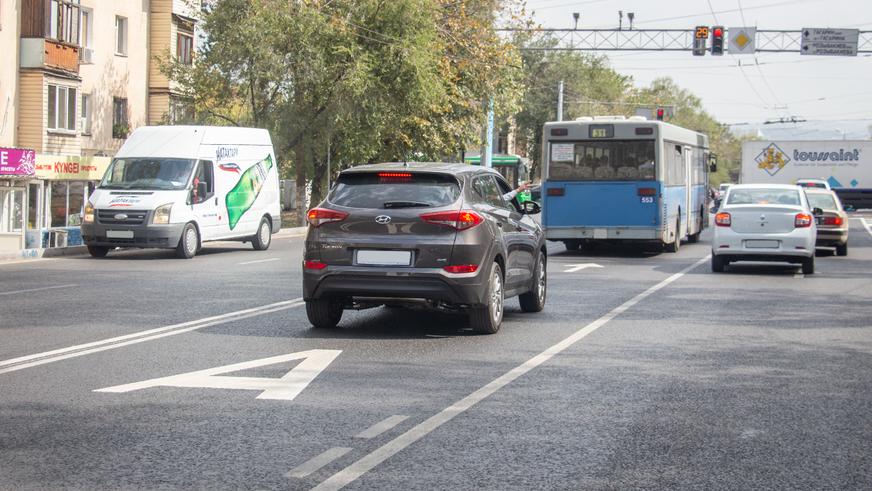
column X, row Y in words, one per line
column 829, row 42
column 743, row 40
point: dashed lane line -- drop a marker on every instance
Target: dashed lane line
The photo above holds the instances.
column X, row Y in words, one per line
column 317, row 462
column 260, row 261
column 52, row 356
column 370, row 461
column 37, row 289
column 381, row 427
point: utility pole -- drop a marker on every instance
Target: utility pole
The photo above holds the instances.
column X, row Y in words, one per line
column 560, row 101
column 487, row 155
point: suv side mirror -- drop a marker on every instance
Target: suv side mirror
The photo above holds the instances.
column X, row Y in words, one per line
column 531, row 208
column 817, row 212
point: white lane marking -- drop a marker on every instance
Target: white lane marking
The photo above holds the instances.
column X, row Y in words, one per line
column 260, row 261
column 798, row 275
column 866, row 225
column 317, row 462
column 373, row 459
column 381, row 427
column 38, row 289
column 574, row 268
column 285, row 388
column 37, row 359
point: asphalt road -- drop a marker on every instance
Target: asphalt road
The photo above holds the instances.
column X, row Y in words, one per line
column 648, row 372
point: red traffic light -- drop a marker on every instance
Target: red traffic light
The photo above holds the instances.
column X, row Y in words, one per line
column 660, row 113
column 719, row 33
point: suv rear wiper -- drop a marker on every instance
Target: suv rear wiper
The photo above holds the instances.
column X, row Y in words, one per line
column 405, row 204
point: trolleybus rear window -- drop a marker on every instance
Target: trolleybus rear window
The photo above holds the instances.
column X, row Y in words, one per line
column 612, row 160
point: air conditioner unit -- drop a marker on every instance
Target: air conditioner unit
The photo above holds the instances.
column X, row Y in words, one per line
column 87, row 55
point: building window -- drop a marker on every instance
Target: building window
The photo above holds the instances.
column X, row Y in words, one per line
column 184, row 48
column 86, row 55
column 61, row 108
column 67, row 200
column 86, row 114
column 64, row 21
column 181, row 111
column 121, row 36
column 120, row 126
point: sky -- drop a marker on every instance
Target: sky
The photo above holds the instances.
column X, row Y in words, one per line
column 834, row 94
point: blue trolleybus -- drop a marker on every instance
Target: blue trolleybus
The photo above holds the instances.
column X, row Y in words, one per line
column 610, row 179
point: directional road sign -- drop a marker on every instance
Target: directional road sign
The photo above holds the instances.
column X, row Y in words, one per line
column 829, row 42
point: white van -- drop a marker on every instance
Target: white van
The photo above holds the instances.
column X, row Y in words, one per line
column 179, row 186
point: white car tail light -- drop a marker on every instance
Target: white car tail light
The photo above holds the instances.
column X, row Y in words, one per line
column 723, row 219
column 803, row 220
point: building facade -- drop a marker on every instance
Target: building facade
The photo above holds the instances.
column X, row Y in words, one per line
column 81, row 76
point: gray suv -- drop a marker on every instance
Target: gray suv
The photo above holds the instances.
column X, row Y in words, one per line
column 436, row 235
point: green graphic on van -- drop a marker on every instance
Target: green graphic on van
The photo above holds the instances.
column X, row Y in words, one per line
column 245, row 193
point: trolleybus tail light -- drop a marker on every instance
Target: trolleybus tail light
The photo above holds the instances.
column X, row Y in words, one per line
column 645, row 131
column 461, row 268
column 556, row 191
column 832, row 220
column 647, row 191
column 803, row 220
column 559, row 131
column 319, row 216
column 312, row 264
column 458, row 219
column 723, row 219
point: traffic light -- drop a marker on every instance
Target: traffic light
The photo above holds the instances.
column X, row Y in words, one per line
column 660, row 113
column 700, row 38
column 718, row 40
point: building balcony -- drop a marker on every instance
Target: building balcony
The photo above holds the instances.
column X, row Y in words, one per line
column 51, row 54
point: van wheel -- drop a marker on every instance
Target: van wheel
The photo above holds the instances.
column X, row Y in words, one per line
column 263, row 238
column 188, row 243
column 98, row 251
column 324, row 313
column 842, row 249
column 676, row 244
column 534, row 300
column 487, row 319
column 718, row 263
column 808, row 265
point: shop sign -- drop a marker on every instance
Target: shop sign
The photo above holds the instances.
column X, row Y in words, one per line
column 16, row 162
column 71, row 167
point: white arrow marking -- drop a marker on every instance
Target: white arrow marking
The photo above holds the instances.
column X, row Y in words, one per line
column 574, row 268
column 285, row 388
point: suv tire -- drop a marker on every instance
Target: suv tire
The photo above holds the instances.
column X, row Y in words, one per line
column 487, row 319
column 534, row 300
column 324, row 313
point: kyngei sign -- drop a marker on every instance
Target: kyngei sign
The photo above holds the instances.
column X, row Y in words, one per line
column 71, row 167
column 17, row 162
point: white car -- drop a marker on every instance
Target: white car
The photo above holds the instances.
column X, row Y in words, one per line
column 813, row 183
column 764, row 222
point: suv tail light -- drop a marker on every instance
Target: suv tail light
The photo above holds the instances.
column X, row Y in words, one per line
column 461, row 268
column 313, row 264
column 723, row 219
column 319, row 216
column 832, row 220
column 458, row 219
column 803, row 220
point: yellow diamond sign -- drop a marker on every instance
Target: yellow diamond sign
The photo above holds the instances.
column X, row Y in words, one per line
column 741, row 40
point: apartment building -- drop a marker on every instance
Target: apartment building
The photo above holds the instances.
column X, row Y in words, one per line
column 80, row 76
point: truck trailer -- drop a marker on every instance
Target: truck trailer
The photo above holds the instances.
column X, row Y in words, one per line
column 845, row 164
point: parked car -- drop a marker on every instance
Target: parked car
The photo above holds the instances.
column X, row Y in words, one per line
column 832, row 222
column 813, row 184
column 429, row 234
column 764, row 222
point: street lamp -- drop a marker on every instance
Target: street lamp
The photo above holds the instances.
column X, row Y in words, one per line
column 575, row 16
column 631, row 16
column 620, row 19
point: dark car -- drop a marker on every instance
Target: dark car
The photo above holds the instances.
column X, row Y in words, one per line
column 436, row 235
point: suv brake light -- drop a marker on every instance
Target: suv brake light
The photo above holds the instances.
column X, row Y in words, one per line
column 458, row 219
column 319, row 216
column 461, row 268
column 803, row 220
column 723, row 219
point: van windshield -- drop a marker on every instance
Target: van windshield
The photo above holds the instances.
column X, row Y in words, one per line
column 148, row 173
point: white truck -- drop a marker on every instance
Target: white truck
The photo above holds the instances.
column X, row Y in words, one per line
column 845, row 164
column 179, row 186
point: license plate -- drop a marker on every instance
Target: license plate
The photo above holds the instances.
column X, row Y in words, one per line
column 817, row 220
column 384, row 258
column 761, row 244
column 600, row 233
column 119, row 234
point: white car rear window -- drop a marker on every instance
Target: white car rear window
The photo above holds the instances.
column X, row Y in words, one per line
column 763, row 196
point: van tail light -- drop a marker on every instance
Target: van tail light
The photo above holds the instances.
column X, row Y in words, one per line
column 461, row 268
column 647, row 191
column 723, row 219
column 319, row 216
column 832, row 220
column 803, row 220
column 311, row 264
column 458, row 219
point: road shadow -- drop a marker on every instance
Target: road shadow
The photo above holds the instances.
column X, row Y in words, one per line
column 133, row 254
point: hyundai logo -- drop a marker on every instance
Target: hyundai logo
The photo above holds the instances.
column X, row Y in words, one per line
column 383, row 219
column 121, row 216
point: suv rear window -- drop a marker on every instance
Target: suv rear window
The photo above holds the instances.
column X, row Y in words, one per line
column 394, row 189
